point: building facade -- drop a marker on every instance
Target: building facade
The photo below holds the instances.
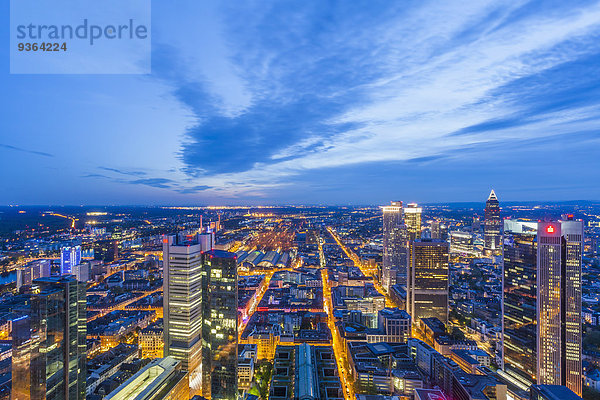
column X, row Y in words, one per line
column 412, row 219
column 394, row 245
column 49, row 345
column 151, row 342
column 438, row 230
column 69, row 258
column 559, row 252
column 461, row 243
column 542, row 331
column 427, row 288
column 219, row 332
column 519, row 306
column 493, row 224
column 394, row 324
column 182, row 309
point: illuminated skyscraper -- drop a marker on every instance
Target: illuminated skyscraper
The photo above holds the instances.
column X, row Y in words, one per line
column 49, row 345
column 219, row 331
column 560, row 248
column 427, row 283
column 542, row 303
column 69, row 257
column 519, row 302
column 182, row 309
column 493, row 224
column 412, row 219
column 394, row 245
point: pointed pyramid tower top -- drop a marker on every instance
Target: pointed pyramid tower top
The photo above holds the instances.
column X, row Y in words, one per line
column 492, row 195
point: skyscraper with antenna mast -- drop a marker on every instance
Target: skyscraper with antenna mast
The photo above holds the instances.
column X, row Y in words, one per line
column 493, row 225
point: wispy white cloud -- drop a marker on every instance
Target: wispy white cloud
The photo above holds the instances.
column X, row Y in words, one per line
column 422, row 75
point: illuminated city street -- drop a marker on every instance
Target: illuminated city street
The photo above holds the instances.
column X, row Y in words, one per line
column 367, row 272
column 340, row 352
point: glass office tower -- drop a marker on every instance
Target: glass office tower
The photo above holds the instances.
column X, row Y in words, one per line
column 542, row 303
column 219, row 330
column 49, row 345
column 427, row 283
column 394, row 246
column 520, row 305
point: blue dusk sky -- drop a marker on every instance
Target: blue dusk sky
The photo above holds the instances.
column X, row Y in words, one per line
column 332, row 102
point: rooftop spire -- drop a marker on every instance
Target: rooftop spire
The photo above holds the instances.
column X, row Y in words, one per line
column 492, row 195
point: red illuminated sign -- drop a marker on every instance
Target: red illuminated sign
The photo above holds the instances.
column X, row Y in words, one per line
column 550, row 229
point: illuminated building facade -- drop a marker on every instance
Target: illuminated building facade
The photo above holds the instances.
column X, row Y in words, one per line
column 219, row 331
column 49, row 361
column 69, row 258
column 33, row 270
column 461, row 243
column 560, row 248
column 182, row 301
column 266, row 341
column 542, row 304
column 519, row 304
column 412, row 219
column 427, row 284
column 151, row 342
column 493, row 224
column 394, row 245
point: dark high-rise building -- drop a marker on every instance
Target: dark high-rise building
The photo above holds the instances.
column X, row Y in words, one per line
column 21, row 358
column 476, row 225
column 219, row 327
column 106, row 250
column 493, row 224
column 542, row 303
column 49, row 345
column 394, row 246
column 427, row 280
column 519, row 304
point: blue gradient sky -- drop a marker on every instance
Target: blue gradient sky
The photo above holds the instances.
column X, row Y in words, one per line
column 320, row 102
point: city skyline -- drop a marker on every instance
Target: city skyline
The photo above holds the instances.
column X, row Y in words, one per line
column 284, row 302
column 308, row 200
column 344, row 105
